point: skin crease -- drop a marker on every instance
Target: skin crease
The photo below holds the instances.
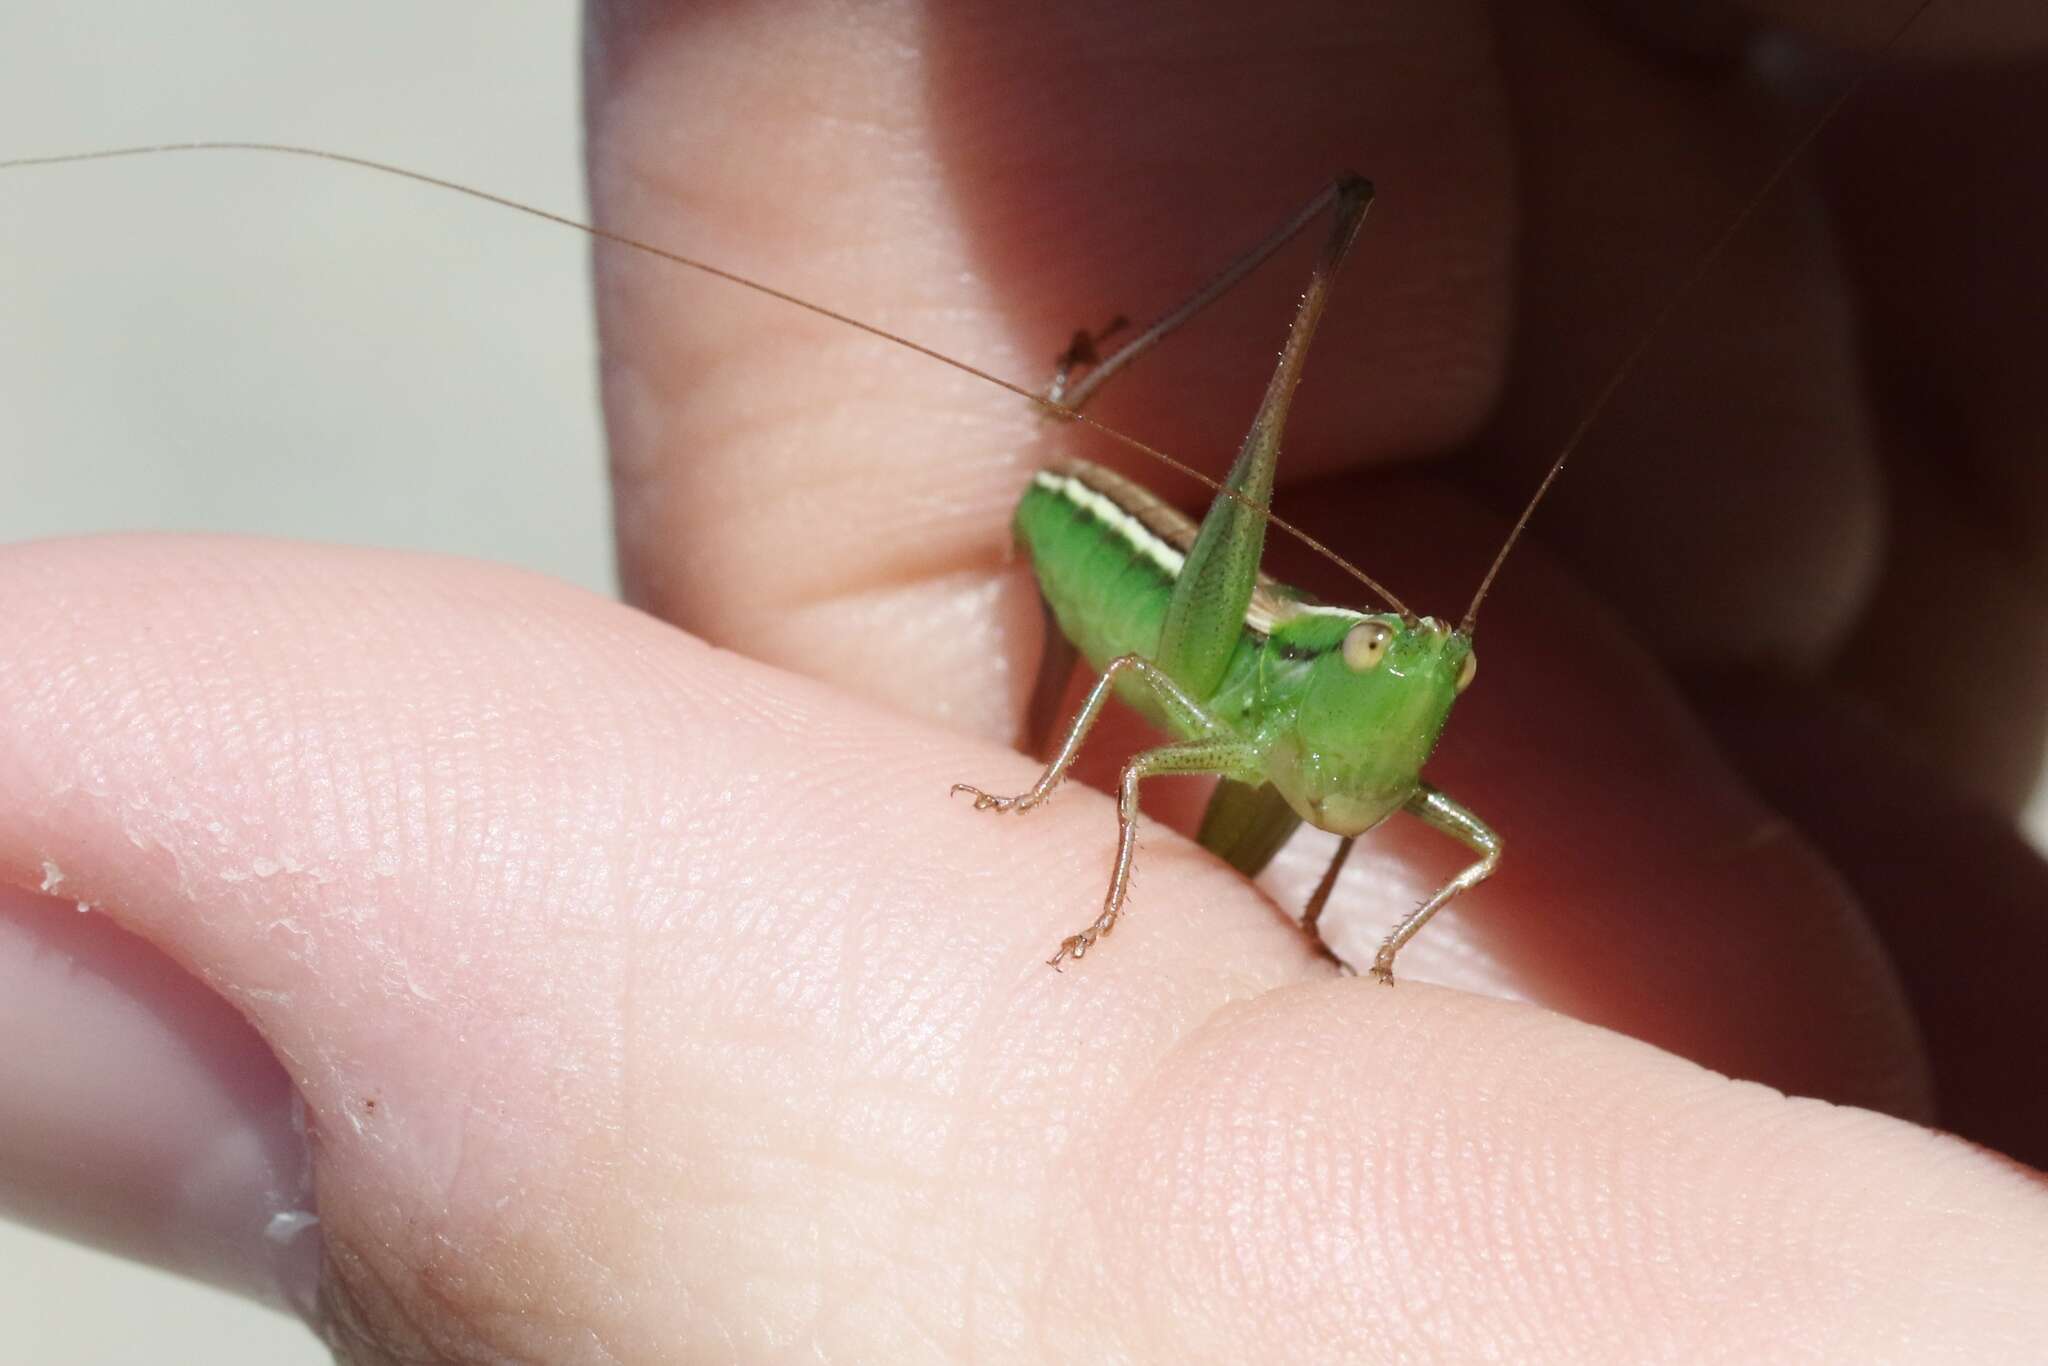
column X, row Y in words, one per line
column 648, row 1001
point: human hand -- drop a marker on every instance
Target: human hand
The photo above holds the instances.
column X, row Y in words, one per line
column 652, row 1002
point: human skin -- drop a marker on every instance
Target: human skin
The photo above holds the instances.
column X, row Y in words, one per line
column 648, row 1001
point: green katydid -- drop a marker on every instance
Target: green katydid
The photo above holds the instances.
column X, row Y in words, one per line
column 1303, row 711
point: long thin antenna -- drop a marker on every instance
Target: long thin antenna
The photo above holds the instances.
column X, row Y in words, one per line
column 730, row 277
column 1726, row 235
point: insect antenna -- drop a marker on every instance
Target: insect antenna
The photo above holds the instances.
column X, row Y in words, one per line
column 1727, row 234
column 1049, row 405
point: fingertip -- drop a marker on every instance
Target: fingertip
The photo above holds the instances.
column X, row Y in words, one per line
column 144, row 1114
column 1359, row 1172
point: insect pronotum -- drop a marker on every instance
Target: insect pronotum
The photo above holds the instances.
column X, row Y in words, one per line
column 1200, row 635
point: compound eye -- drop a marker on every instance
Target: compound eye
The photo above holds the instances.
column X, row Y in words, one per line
column 1467, row 671
column 1365, row 645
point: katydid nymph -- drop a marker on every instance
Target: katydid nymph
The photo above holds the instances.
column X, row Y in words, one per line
column 1304, row 712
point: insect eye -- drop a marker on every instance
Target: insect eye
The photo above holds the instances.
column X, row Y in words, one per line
column 1365, row 645
column 1467, row 670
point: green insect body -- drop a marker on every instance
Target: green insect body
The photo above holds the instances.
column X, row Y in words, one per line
column 1305, row 711
column 1344, row 706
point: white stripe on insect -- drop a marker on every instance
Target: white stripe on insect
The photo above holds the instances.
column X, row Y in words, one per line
column 1265, row 611
column 1116, row 517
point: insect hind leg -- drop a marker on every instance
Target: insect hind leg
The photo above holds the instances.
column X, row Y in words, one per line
column 1083, row 353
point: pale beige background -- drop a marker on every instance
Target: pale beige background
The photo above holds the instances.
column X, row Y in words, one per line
column 288, row 348
column 295, row 349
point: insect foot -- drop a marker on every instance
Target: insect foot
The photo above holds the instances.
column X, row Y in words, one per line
column 988, row 801
column 1383, row 968
column 1074, row 946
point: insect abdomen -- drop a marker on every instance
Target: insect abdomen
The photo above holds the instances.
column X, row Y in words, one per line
column 1106, row 553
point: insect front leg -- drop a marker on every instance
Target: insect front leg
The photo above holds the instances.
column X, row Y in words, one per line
column 1229, row 756
column 1182, row 709
column 1440, row 812
column 1312, row 914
